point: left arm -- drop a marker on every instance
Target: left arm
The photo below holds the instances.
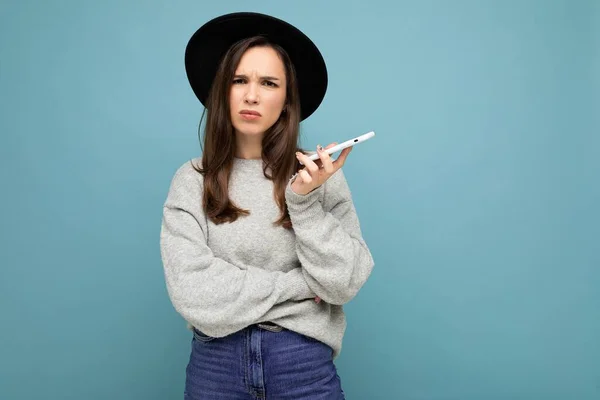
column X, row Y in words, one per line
column 335, row 258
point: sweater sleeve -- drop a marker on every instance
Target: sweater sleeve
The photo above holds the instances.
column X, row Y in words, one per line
column 214, row 295
column 334, row 256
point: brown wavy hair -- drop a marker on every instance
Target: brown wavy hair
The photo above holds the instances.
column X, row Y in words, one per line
column 279, row 144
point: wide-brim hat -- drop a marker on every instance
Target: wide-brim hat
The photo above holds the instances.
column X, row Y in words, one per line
column 210, row 42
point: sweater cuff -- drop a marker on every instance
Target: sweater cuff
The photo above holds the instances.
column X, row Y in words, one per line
column 304, row 208
column 295, row 286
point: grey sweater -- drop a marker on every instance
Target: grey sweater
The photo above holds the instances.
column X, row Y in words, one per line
column 222, row 278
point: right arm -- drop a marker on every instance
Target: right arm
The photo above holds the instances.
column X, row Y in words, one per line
column 215, row 296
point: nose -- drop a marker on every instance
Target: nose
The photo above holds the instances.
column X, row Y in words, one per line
column 251, row 96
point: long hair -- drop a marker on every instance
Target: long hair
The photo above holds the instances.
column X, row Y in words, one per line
column 279, row 144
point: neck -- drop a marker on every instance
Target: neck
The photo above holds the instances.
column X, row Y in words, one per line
column 248, row 147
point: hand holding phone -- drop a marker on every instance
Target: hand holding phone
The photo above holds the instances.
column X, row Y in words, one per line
column 314, row 175
column 342, row 146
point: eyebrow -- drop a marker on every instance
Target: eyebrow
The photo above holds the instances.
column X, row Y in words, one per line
column 271, row 78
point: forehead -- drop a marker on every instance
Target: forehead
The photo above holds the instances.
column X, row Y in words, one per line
column 262, row 61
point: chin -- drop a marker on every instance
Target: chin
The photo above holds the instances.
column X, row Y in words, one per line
column 246, row 131
column 251, row 129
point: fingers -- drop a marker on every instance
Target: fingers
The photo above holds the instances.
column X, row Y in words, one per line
column 312, row 169
column 341, row 160
column 308, row 163
column 339, row 163
column 306, row 178
column 325, row 158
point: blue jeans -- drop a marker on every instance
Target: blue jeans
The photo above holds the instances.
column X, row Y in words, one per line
column 261, row 362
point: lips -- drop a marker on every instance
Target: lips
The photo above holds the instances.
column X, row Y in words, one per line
column 250, row 114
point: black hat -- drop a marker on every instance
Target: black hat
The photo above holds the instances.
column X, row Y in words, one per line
column 209, row 43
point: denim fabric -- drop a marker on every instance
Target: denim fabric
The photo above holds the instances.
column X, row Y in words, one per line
column 257, row 363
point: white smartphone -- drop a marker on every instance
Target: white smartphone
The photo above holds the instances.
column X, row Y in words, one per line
column 342, row 146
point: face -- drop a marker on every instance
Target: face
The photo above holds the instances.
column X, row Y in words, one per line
column 258, row 91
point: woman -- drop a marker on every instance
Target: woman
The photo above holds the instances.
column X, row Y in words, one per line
column 261, row 246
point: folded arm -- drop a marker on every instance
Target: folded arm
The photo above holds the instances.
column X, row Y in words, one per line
column 335, row 258
column 214, row 295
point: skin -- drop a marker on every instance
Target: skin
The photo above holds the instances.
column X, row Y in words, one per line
column 260, row 85
column 314, row 174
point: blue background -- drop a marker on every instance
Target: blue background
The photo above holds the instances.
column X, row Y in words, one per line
column 478, row 197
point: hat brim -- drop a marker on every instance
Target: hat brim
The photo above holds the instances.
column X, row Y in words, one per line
column 210, row 42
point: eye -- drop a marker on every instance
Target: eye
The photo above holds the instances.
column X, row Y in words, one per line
column 238, row 81
column 270, row 83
